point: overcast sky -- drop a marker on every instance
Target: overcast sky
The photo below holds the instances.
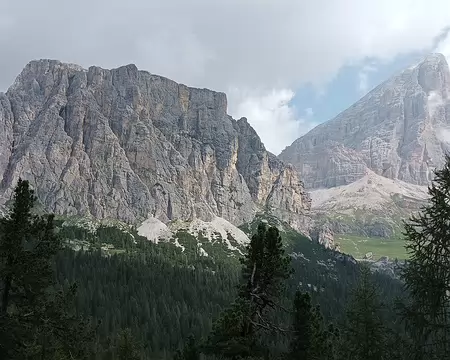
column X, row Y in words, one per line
column 263, row 54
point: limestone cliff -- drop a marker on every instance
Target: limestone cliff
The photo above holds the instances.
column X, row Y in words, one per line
column 129, row 145
column 400, row 130
column 369, row 167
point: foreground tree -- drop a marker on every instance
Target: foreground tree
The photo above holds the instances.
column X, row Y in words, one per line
column 35, row 321
column 59, row 332
column 364, row 334
column 26, row 245
column 189, row 352
column 427, row 274
column 127, row 346
column 311, row 339
column 237, row 333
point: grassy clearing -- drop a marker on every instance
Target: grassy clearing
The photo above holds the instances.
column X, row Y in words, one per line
column 359, row 246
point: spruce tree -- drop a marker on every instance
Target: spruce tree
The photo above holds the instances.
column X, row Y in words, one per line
column 237, row 333
column 24, row 238
column 127, row 346
column 427, row 272
column 189, row 352
column 311, row 340
column 61, row 332
column 364, row 333
column 27, row 246
column 35, row 319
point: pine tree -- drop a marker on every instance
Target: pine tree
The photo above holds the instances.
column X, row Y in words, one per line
column 127, row 346
column 190, row 351
column 34, row 321
column 24, row 241
column 427, row 272
column 311, row 339
column 364, row 331
column 237, row 333
column 60, row 331
column 27, row 246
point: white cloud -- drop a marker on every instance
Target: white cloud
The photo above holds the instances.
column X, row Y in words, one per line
column 434, row 102
column 443, row 46
column 244, row 44
column 271, row 115
column 363, row 78
column 443, row 135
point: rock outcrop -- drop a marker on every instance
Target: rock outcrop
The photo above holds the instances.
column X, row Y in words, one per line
column 323, row 234
column 400, row 130
column 130, row 145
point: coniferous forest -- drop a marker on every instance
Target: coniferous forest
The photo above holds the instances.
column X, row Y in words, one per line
column 284, row 298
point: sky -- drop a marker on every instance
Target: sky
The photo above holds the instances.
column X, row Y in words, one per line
column 286, row 65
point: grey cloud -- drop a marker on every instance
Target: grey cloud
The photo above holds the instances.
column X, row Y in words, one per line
column 216, row 44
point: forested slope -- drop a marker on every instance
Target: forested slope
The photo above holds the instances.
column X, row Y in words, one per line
column 165, row 294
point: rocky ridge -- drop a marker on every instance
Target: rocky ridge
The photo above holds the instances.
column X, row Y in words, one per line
column 399, row 130
column 369, row 167
column 129, row 145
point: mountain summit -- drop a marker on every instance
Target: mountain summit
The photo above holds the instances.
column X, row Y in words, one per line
column 369, row 167
column 130, row 145
column 400, row 130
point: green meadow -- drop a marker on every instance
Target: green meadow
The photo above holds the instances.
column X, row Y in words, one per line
column 358, row 246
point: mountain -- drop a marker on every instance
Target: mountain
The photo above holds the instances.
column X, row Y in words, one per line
column 129, row 145
column 372, row 163
column 399, row 130
column 123, row 157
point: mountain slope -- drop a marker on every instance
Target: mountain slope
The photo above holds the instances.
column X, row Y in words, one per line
column 130, row 145
column 398, row 130
column 145, row 286
column 369, row 167
column 372, row 206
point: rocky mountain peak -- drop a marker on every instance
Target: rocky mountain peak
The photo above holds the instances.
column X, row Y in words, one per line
column 433, row 61
column 127, row 144
column 399, row 130
column 434, row 75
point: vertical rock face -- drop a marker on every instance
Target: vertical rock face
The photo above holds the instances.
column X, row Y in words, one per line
column 400, row 130
column 127, row 144
column 324, row 235
column 6, row 132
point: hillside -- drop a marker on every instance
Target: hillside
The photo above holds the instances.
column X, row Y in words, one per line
column 133, row 282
